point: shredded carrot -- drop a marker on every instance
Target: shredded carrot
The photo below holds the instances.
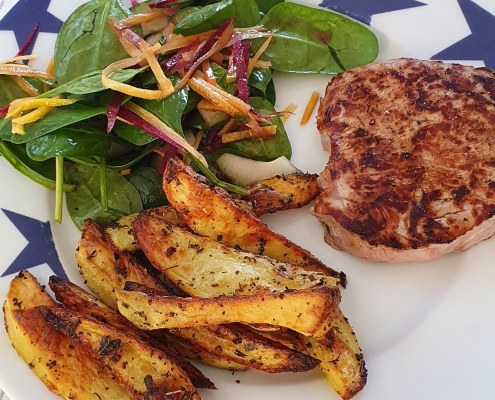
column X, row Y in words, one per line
column 262, row 64
column 228, row 127
column 29, row 103
column 126, row 88
column 32, row 116
column 263, row 132
column 178, row 41
column 168, row 31
column 288, row 111
column 26, row 86
column 18, row 129
column 310, row 107
column 164, row 83
column 125, row 172
column 259, row 53
column 223, row 100
column 220, row 43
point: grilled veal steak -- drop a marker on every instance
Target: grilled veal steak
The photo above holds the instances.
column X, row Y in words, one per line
column 411, row 173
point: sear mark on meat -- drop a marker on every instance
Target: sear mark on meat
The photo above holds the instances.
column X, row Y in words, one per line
column 412, row 159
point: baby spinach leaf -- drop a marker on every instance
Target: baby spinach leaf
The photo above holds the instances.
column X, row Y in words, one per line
column 247, row 13
column 263, row 149
column 244, row 12
column 266, row 5
column 91, row 82
column 202, row 19
column 149, row 184
column 56, row 119
column 85, row 201
column 169, row 110
column 40, row 172
column 10, row 91
column 71, row 141
column 312, row 40
column 260, row 78
column 86, row 43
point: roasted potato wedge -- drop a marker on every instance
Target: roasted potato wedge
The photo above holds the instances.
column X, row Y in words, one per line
column 257, row 350
column 121, row 234
column 282, row 192
column 78, row 300
column 67, row 369
column 148, row 372
column 103, row 277
column 106, row 269
column 203, row 267
column 211, row 212
column 341, row 358
column 307, row 311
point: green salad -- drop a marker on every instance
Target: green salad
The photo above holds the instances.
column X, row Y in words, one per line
column 129, row 88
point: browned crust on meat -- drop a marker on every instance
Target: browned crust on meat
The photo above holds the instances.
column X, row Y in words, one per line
column 412, row 159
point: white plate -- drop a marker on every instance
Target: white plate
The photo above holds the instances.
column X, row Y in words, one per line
column 426, row 329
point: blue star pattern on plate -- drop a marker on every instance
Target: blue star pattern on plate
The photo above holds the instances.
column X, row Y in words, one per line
column 480, row 44
column 362, row 10
column 40, row 248
column 25, row 15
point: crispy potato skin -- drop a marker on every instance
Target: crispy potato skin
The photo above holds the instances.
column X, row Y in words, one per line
column 121, row 233
column 202, row 267
column 256, row 350
column 102, row 277
column 210, row 212
column 105, row 268
column 307, row 311
column 148, row 372
column 283, row 192
column 80, row 301
column 66, row 368
column 341, row 359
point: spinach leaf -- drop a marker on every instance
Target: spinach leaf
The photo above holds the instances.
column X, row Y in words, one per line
column 149, row 184
column 42, row 173
column 260, row 79
column 169, row 110
column 263, row 149
column 86, row 43
column 311, row 40
column 10, row 91
column 247, row 13
column 56, row 119
column 220, row 74
column 205, row 18
column 244, row 12
column 91, row 82
column 85, row 202
column 266, row 5
column 71, row 141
